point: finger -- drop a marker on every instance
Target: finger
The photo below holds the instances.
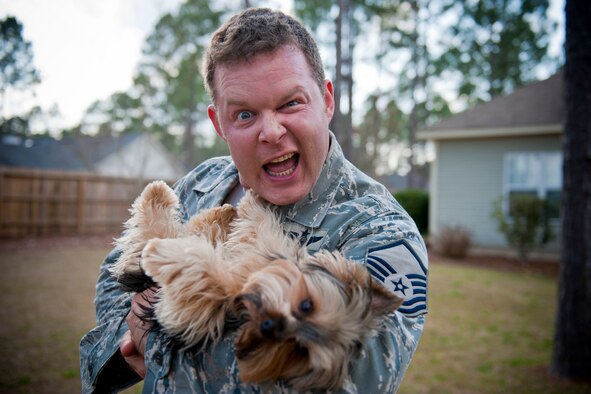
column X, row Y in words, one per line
column 138, row 364
column 127, row 347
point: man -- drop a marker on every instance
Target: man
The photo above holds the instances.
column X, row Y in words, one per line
column 272, row 105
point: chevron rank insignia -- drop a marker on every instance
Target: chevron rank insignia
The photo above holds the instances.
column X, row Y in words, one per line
column 400, row 269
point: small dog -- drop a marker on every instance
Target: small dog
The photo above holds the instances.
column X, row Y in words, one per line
column 301, row 318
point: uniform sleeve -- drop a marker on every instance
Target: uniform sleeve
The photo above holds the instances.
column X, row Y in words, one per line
column 102, row 368
column 395, row 255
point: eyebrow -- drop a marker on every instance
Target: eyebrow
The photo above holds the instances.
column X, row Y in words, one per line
column 285, row 97
column 292, row 92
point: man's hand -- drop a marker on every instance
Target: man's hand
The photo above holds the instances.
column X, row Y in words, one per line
column 133, row 344
column 132, row 357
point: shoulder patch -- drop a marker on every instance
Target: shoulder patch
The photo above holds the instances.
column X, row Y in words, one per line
column 398, row 267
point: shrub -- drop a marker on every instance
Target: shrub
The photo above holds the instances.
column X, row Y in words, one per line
column 416, row 203
column 452, row 241
column 528, row 225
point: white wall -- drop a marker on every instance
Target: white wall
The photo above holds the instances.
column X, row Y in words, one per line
column 467, row 178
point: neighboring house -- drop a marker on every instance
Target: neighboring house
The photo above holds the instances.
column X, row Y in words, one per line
column 505, row 147
column 133, row 155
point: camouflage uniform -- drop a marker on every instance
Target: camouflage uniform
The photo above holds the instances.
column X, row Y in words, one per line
column 346, row 210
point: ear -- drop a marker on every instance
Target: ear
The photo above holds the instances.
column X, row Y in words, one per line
column 329, row 98
column 383, row 301
column 213, row 117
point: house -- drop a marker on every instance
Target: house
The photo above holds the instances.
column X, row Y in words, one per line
column 132, row 155
column 508, row 146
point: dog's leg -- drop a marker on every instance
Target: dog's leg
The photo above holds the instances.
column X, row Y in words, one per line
column 153, row 214
column 195, row 281
column 257, row 228
column 212, row 223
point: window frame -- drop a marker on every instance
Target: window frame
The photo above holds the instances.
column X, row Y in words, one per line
column 541, row 187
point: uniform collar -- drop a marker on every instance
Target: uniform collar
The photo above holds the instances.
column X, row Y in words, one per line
column 311, row 210
column 216, row 184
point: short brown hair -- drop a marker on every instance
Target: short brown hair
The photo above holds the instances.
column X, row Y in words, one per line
column 255, row 31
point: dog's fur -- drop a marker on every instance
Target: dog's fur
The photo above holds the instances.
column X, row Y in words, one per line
column 302, row 317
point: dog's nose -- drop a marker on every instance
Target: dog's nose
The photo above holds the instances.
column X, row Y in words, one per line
column 272, row 328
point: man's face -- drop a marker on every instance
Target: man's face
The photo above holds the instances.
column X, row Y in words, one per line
column 274, row 118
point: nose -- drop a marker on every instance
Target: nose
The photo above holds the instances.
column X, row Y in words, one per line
column 272, row 130
column 273, row 327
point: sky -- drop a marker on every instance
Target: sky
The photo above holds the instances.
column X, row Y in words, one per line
column 86, row 50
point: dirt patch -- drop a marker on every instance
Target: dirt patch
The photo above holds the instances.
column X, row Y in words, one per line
column 46, row 307
column 49, row 242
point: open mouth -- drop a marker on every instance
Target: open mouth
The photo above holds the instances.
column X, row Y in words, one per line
column 282, row 166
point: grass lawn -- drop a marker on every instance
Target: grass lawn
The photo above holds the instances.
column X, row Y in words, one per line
column 487, row 332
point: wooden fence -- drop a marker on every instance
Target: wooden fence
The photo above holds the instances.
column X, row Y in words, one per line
column 36, row 202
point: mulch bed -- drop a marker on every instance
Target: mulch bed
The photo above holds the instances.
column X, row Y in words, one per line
column 503, row 263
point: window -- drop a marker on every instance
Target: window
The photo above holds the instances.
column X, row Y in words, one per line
column 536, row 174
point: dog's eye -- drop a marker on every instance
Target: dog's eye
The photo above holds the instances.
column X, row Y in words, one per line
column 306, row 306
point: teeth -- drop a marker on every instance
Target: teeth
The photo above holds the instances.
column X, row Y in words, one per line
column 284, row 173
column 283, row 158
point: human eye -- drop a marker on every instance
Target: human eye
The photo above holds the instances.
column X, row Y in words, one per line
column 292, row 103
column 244, row 115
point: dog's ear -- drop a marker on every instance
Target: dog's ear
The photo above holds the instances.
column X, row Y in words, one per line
column 383, row 301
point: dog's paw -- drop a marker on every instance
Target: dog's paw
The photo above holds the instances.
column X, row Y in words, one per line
column 155, row 212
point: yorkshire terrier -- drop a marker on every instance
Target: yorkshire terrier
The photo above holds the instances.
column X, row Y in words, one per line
column 301, row 318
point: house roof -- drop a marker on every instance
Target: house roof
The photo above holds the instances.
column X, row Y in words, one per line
column 72, row 153
column 537, row 108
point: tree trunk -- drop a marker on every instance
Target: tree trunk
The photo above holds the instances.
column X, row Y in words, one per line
column 336, row 122
column 348, row 118
column 414, row 120
column 572, row 342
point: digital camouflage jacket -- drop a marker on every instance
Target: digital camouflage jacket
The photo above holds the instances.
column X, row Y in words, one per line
column 346, row 211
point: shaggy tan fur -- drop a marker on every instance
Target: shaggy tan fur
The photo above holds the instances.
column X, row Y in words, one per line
column 304, row 316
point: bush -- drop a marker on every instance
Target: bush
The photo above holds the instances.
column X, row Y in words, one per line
column 452, row 241
column 528, row 225
column 416, row 203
